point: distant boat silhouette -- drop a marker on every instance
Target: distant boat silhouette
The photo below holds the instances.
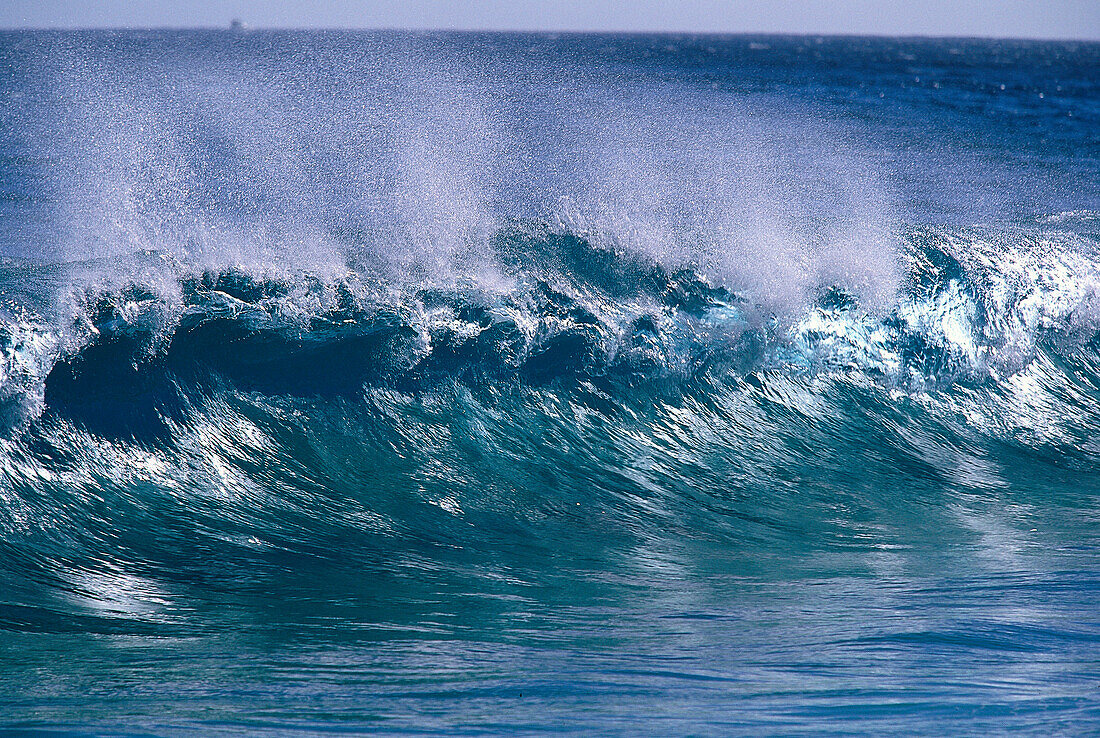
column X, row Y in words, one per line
column 237, row 25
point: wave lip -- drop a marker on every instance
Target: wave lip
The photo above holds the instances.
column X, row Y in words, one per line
column 976, row 306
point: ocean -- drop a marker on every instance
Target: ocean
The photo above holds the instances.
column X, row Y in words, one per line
column 472, row 383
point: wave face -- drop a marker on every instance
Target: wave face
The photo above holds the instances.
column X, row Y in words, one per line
column 497, row 383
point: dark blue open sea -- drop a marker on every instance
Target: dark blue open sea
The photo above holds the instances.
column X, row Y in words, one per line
column 502, row 383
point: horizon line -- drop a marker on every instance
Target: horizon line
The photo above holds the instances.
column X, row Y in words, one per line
column 245, row 29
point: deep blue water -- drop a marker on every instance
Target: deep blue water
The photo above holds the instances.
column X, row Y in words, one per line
column 470, row 383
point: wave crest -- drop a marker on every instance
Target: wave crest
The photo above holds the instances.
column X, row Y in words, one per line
column 977, row 305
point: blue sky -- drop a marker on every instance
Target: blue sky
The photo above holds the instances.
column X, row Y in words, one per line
column 1012, row 18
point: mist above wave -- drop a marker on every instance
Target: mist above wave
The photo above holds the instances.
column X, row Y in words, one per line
column 402, row 156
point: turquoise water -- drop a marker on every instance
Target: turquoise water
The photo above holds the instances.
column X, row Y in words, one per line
column 473, row 383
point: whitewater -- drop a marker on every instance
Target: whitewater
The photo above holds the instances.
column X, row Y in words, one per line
column 491, row 383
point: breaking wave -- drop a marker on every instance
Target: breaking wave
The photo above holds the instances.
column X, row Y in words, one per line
column 977, row 308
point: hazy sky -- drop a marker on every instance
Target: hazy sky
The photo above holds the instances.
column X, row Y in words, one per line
column 1018, row 18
